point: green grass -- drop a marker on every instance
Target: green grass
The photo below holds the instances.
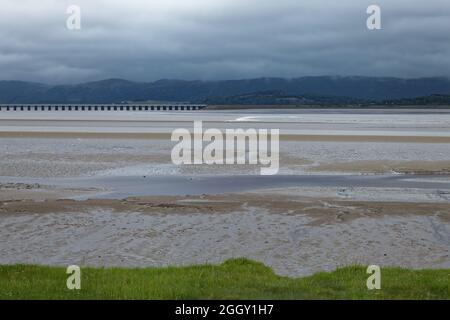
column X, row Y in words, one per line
column 234, row 279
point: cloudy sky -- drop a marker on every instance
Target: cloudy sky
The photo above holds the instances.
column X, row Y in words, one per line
column 146, row 40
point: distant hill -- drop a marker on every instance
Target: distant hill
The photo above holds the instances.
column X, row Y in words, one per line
column 299, row 90
column 272, row 97
column 432, row 100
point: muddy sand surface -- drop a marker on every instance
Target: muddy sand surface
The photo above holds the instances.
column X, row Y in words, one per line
column 294, row 235
column 296, row 229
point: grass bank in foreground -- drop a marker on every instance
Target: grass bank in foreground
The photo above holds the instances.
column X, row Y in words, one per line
column 234, row 279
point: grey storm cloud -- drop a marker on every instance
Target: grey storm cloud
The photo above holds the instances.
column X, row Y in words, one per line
column 147, row 40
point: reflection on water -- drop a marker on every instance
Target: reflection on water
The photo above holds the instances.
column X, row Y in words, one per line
column 132, row 186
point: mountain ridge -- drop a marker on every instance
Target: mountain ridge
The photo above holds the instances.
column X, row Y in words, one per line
column 354, row 88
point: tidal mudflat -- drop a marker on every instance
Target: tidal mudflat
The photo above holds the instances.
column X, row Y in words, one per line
column 359, row 187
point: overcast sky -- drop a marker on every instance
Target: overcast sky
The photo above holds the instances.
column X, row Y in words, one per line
column 147, row 40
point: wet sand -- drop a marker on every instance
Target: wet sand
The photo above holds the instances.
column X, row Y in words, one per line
column 400, row 218
column 297, row 231
column 70, row 157
column 380, row 167
column 422, row 126
column 283, row 137
column 296, row 236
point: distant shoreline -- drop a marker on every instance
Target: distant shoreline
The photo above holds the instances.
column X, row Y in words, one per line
column 388, row 107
